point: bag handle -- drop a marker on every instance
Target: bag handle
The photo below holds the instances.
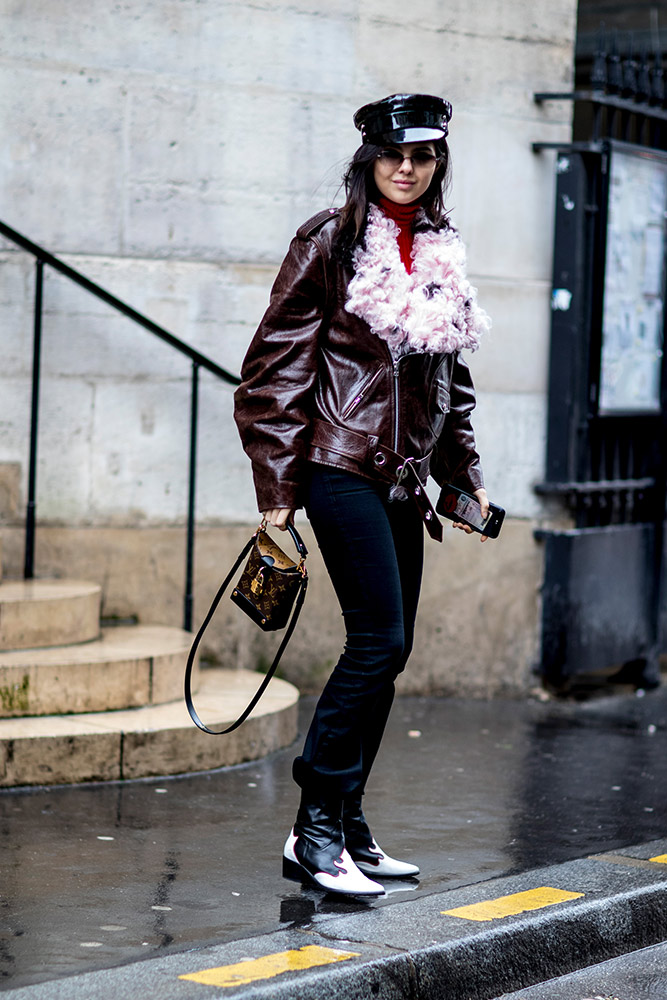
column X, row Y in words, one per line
column 296, row 538
column 301, row 596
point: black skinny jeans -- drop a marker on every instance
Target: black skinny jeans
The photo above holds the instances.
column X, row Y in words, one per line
column 373, row 550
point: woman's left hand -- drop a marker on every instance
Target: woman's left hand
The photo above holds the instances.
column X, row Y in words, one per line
column 484, row 504
column 279, row 517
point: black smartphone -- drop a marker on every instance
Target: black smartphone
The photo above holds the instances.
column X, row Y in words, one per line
column 458, row 505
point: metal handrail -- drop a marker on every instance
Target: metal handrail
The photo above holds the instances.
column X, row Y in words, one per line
column 607, row 100
column 42, row 258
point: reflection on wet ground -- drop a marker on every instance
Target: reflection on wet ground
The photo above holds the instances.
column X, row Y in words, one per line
column 95, row 876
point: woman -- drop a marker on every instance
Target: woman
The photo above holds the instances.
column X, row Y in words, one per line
column 353, row 391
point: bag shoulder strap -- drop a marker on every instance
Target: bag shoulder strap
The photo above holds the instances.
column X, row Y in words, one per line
column 301, row 596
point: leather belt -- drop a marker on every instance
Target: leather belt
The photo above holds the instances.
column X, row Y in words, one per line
column 384, row 463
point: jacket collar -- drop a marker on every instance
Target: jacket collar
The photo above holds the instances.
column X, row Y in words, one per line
column 434, row 308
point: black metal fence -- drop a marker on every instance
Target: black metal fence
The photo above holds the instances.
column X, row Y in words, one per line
column 609, row 470
column 603, row 578
column 625, row 98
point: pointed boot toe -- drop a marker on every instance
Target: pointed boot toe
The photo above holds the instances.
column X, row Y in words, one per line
column 364, row 849
column 373, row 861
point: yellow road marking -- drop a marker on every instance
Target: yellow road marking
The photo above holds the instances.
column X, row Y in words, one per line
column 517, row 902
column 622, row 859
column 661, row 859
column 269, row 965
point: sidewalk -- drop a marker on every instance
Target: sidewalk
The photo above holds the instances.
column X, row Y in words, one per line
column 492, row 799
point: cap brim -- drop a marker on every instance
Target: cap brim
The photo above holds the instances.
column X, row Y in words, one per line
column 411, row 135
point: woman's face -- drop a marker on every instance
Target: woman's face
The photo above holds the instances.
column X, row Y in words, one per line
column 403, row 172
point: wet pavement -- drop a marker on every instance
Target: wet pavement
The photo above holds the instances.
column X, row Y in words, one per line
column 97, row 876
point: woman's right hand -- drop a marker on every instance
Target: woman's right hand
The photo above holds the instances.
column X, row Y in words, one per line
column 279, row 516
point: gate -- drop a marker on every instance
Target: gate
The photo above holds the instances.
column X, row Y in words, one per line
column 603, row 617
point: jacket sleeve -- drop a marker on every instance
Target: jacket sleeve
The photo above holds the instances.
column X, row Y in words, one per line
column 455, row 459
column 272, row 404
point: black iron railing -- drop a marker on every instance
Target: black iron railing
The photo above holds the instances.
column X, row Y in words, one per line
column 626, row 95
column 609, row 470
column 44, row 258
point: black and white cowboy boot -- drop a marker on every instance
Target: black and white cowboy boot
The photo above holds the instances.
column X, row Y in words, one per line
column 315, row 851
column 363, row 847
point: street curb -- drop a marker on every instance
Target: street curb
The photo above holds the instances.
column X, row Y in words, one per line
column 413, row 951
column 497, row 960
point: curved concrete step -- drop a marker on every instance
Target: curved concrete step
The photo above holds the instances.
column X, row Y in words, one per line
column 157, row 740
column 48, row 613
column 126, row 668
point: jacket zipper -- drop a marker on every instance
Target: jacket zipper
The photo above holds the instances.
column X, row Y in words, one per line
column 352, row 406
column 395, row 364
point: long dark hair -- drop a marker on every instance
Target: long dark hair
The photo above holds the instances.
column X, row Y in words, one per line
column 360, row 189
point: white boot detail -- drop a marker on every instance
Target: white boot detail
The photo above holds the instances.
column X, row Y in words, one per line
column 350, row 880
column 385, row 867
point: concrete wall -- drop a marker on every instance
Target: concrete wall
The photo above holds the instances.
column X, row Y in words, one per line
column 168, row 149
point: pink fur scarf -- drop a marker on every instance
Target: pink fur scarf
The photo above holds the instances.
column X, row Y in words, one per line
column 433, row 309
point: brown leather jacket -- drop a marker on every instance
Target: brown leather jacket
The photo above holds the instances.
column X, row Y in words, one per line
column 319, row 386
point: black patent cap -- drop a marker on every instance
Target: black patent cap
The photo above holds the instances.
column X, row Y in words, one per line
column 404, row 118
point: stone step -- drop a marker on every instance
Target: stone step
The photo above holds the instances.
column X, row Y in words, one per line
column 156, row 740
column 126, row 668
column 48, row 613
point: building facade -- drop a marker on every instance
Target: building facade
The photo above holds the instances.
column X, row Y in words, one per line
column 168, row 149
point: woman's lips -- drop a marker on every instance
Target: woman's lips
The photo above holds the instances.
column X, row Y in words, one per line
column 404, row 184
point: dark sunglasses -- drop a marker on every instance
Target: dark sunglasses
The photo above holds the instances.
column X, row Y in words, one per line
column 391, row 157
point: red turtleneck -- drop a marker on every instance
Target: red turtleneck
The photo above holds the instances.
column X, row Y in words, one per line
column 404, row 217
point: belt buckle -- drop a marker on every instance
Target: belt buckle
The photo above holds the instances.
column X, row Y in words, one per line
column 397, row 491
